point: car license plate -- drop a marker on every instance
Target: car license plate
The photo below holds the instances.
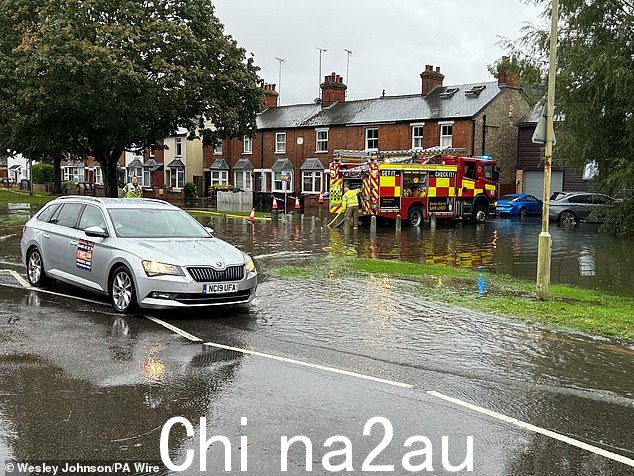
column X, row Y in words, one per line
column 220, row 288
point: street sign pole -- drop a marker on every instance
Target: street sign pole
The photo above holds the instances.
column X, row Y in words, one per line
column 545, row 240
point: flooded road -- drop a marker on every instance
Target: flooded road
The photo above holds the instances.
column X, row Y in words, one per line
column 581, row 256
column 105, row 384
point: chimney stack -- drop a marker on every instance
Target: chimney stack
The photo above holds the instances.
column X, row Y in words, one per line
column 332, row 90
column 431, row 79
column 506, row 77
column 270, row 96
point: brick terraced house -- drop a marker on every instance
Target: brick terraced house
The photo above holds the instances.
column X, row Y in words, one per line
column 295, row 143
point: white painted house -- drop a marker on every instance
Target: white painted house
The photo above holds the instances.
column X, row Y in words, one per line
column 18, row 168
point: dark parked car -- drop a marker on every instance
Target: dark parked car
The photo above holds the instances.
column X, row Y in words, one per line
column 518, row 205
column 574, row 207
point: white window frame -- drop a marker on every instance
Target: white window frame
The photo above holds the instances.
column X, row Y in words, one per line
column 368, row 139
column 176, row 176
column 445, row 140
column 146, row 181
column 218, row 148
column 98, row 175
column 246, row 180
column 415, row 137
column 266, row 175
column 274, row 179
column 222, row 177
column 317, row 178
column 280, row 145
column 247, row 145
column 321, row 145
column 136, row 172
column 178, row 147
column 152, row 153
column 76, row 174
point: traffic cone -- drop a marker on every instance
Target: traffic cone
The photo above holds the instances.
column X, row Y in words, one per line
column 252, row 215
column 297, row 206
column 321, row 197
column 274, row 203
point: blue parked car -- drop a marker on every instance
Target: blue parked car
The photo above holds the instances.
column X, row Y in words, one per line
column 518, row 205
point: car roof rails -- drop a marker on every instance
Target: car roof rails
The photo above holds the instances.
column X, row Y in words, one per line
column 80, row 197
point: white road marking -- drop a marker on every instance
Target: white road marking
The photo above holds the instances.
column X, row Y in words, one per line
column 536, row 429
column 302, row 254
column 11, row 263
column 308, row 364
column 174, row 329
column 499, row 416
column 25, row 285
column 23, row 282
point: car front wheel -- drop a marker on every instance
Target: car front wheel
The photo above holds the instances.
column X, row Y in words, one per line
column 35, row 268
column 122, row 291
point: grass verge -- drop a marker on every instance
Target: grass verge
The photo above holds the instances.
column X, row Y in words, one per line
column 589, row 311
column 20, row 196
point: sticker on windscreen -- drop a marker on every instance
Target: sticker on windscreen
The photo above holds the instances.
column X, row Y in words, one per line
column 84, row 254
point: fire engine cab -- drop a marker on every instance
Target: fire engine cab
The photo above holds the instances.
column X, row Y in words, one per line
column 416, row 184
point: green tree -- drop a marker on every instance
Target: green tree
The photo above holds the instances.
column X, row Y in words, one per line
column 42, row 173
column 98, row 77
column 595, row 80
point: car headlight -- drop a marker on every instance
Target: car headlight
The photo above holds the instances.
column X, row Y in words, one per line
column 155, row 268
column 249, row 266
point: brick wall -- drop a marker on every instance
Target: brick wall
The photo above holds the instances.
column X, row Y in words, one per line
column 391, row 137
column 502, row 116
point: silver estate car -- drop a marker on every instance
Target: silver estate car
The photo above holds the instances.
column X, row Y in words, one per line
column 138, row 251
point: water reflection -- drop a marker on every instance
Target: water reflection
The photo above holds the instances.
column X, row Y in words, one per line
column 102, row 388
column 581, row 256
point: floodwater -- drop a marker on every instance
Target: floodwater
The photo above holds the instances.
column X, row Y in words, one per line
column 126, row 376
column 581, row 256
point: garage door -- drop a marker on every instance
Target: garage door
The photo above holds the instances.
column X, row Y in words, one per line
column 534, row 182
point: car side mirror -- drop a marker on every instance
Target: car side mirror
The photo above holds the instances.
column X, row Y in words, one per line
column 96, row 232
column 210, row 231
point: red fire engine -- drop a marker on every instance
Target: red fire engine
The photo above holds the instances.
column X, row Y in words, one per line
column 416, row 184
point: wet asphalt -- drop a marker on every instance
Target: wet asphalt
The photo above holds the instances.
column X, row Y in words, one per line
column 79, row 382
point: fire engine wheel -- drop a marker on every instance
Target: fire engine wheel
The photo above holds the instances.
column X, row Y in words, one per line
column 480, row 213
column 415, row 216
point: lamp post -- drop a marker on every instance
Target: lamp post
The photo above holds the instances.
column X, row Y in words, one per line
column 545, row 240
column 321, row 51
column 349, row 53
column 279, row 78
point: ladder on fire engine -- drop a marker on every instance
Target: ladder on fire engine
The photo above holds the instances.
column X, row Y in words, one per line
column 396, row 156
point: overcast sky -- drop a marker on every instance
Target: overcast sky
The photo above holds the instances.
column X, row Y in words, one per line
column 391, row 40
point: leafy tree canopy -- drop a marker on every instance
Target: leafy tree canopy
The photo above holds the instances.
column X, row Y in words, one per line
column 96, row 77
column 594, row 91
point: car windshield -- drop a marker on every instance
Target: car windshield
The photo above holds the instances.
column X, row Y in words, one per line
column 510, row 198
column 155, row 223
